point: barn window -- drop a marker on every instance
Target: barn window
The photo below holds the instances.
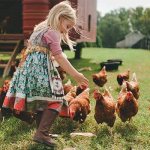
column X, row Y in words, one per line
column 89, row 23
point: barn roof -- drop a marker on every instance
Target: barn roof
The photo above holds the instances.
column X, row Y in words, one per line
column 130, row 39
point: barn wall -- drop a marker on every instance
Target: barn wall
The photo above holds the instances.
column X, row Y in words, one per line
column 87, row 20
column 33, row 13
column 36, row 11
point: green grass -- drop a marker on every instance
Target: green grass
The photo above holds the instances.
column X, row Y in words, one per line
column 15, row 134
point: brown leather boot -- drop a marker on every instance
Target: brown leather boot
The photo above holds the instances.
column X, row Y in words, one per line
column 38, row 118
column 42, row 133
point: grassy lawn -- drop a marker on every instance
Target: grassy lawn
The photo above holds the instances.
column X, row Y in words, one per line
column 15, row 134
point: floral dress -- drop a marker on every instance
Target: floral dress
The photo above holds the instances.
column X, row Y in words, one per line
column 36, row 84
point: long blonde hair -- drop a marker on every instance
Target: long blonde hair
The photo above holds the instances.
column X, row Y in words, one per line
column 62, row 9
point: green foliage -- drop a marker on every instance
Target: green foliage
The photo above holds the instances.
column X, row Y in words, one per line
column 145, row 20
column 15, row 134
column 113, row 27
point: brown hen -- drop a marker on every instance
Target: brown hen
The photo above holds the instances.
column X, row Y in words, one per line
column 127, row 105
column 104, row 108
column 68, row 97
column 71, row 94
column 133, row 86
column 80, row 89
column 67, row 87
column 3, row 91
column 79, row 107
column 100, row 78
column 123, row 77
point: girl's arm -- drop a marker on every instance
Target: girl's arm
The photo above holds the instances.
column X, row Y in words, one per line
column 66, row 65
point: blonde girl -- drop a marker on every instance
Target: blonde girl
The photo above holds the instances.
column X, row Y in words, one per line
column 36, row 86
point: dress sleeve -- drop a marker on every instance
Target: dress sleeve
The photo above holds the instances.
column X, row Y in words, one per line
column 52, row 39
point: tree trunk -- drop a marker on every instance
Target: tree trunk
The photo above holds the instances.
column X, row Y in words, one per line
column 78, row 51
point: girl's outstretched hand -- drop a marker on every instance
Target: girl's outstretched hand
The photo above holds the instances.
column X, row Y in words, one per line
column 81, row 80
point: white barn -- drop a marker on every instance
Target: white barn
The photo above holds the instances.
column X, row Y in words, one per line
column 130, row 39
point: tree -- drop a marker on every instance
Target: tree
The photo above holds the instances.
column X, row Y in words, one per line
column 113, row 28
column 145, row 19
column 136, row 15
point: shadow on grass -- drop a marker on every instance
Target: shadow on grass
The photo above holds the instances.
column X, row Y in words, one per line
column 128, row 131
column 96, row 67
column 105, row 140
column 80, row 62
column 40, row 147
column 13, row 129
column 64, row 126
column 102, row 138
